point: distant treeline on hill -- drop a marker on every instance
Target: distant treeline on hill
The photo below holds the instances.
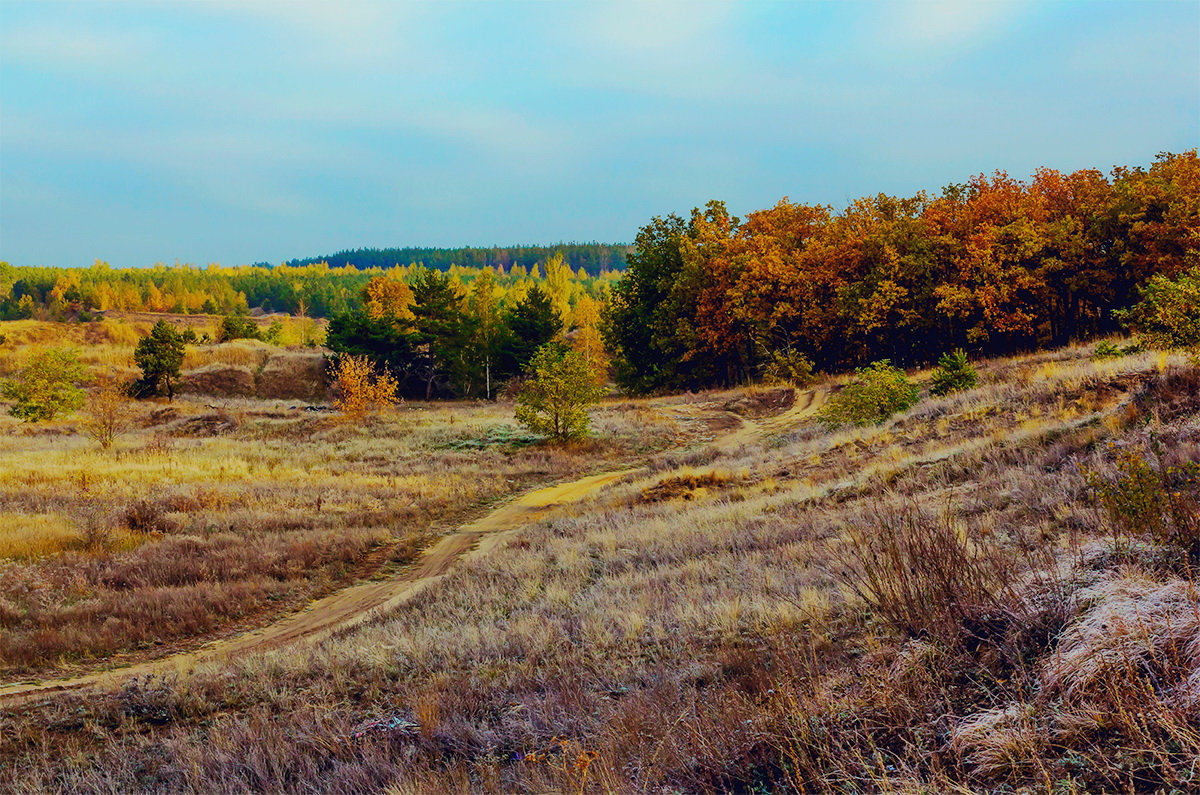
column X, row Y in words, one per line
column 593, row 258
column 314, row 290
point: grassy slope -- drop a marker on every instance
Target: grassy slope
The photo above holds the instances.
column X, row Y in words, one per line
column 702, row 633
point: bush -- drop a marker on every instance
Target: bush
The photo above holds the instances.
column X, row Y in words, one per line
column 919, row 574
column 554, row 400
column 879, row 392
column 1168, row 316
column 789, row 367
column 1107, row 350
column 361, row 389
column 108, row 412
column 46, row 386
column 954, row 373
column 237, row 327
column 1147, row 498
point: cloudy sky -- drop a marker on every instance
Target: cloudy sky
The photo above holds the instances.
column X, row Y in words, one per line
column 236, row 131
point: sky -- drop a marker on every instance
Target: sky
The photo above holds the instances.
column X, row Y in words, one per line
column 238, row 131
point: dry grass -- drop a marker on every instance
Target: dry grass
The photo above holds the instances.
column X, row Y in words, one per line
column 205, row 517
column 740, row 642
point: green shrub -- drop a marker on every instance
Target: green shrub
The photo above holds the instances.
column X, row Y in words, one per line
column 554, row 401
column 879, row 392
column 46, row 386
column 1168, row 316
column 160, row 355
column 1107, row 350
column 237, row 327
column 954, row 373
column 1147, row 498
column 789, row 367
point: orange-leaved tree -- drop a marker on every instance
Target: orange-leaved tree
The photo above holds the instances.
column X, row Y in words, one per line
column 361, row 388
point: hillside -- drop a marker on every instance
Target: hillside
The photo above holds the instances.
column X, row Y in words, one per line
column 992, row 589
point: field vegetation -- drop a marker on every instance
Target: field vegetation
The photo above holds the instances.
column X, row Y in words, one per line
column 199, row 519
column 819, row 568
column 991, row 589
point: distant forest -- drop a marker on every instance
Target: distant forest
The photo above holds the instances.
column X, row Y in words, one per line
column 593, row 258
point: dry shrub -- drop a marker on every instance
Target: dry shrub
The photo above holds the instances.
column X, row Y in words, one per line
column 684, row 487
column 1146, row 498
column 108, row 411
column 922, row 575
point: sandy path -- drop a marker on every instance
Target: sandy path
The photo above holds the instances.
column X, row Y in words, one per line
column 352, row 605
column 356, row 604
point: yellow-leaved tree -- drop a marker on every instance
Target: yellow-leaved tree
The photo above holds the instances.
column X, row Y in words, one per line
column 361, row 388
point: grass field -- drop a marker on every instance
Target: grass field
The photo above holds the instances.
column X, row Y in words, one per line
column 947, row 602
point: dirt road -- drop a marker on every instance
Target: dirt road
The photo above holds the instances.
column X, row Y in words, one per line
column 358, row 603
column 350, row 606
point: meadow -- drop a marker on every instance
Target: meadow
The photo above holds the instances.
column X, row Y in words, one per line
column 991, row 591
column 215, row 513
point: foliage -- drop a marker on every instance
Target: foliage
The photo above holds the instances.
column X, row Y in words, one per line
column 789, row 367
column 592, row 258
column 311, row 290
column 159, row 355
column 1106, row 349
column 361, row 388
column 46, row 386
column 1168, row 316
column 880, row 391
column 993, row 266
column 954, row 373
column 650, row 323
column 1147, row 498
column 554, row 399
column 532, row 323
column 238, row 327
column 108, row 412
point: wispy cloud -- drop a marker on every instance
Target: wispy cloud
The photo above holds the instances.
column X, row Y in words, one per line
column 951, row 24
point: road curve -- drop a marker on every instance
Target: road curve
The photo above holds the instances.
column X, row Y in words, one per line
column 349, row 606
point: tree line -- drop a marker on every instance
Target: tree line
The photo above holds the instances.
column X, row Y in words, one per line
column 992, row 266
column 314, row 290
column 441, row 338
column 592, row 258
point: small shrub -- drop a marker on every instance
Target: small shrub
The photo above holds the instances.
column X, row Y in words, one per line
column 361, row 388
column 238, row 327
column 954, row 373
column 108, row 412
column 921, row 575
column 159, row 355
column 1107, row 350
column 879, row 392
column 554, row 399
column 1146, row 498
column 46, row 386
column 789, row 367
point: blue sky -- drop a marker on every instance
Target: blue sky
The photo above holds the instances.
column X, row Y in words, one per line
column 236, row 131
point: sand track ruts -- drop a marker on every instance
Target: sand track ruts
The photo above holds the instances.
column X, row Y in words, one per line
column 355, row 604
column 349, row 606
